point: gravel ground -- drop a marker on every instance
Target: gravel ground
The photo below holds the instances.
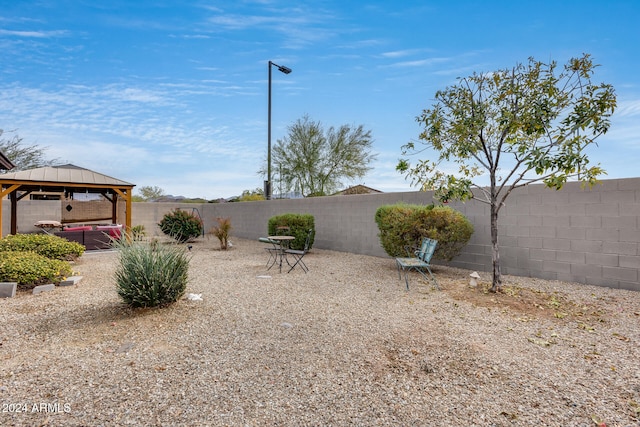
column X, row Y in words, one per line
column 344, row 344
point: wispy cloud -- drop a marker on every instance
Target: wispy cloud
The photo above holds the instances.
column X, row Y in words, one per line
column 123, row 112
column 34, row 34
column 629, row 108
column 458, row 62
column 137, row 95
column 420, row 62
column 361, row 44
column 240, row 22
column 190, row 36
column 18, row 19
column 402, row 53
column 299, row 26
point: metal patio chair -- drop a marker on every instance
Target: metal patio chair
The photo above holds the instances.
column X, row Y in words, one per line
column 420, row 262
column 272, row 250
column 299, row 254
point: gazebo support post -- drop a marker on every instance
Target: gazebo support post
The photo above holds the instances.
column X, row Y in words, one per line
column 126, row 195
column 114, row 209
column 128, row 212
column 14, row 212
column 11, row 190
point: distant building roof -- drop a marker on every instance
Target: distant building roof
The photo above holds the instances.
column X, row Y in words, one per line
column 357, row 189
column 5, row 163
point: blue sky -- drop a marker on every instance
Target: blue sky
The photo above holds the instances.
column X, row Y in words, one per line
column 174, row 94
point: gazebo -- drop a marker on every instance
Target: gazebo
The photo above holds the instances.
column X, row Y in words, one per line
column 63, row 179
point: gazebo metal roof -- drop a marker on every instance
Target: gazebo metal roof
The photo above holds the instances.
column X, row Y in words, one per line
column 65, row 178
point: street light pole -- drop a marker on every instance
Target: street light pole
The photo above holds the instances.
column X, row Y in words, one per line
column 267, row 183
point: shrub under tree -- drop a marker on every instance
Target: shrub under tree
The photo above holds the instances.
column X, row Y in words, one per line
column 403, row 226
column 534, row 122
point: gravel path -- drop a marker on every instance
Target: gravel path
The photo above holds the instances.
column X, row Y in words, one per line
column 344, row 344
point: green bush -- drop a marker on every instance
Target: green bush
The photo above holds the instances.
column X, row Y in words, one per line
column 30, row 269
column 181, row 225
column 150, row 275
column 299, row 226
column 49, row 246
column 403, row 226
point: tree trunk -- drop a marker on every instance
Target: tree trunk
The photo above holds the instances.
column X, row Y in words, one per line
column 496, row 285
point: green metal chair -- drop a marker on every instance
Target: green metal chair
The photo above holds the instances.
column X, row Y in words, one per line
column 299, row 254
column 272, row 250
column 420, row 262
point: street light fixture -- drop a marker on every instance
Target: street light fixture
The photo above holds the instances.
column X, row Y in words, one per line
column 267, row 183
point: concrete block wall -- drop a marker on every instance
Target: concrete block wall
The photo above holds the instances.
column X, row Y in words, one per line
column 576, row 234
column 588, row 236
column 30, row 212
column 150, row 214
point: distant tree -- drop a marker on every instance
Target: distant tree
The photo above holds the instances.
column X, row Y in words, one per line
column 24, row 156
column 314, row 161
column 251, row 195
column 516, row 126
column 150, row 193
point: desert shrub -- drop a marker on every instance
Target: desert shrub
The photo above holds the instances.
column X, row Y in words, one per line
column 221, row 231
column 299, row 226
column 403, row 226
column 30, row 269
column 151, row 274
column 181, row 225
column 138, row 233
column 49, row 246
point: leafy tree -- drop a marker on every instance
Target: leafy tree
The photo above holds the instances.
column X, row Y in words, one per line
column 516, row 126
column 150, row 193
column 314, row 161
column 250, row 196
column 24, row 156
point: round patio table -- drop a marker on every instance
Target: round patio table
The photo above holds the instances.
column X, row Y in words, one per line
column 283, row 245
